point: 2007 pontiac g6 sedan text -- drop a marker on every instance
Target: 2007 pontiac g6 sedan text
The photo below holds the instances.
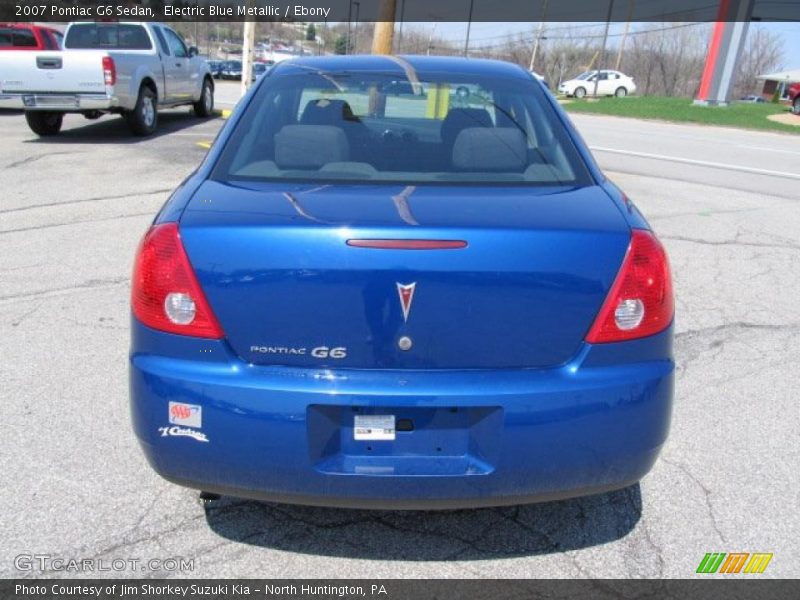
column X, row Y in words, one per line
column 400, row 282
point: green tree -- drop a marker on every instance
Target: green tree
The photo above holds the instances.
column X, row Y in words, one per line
column 311, row 33
column 340, row 46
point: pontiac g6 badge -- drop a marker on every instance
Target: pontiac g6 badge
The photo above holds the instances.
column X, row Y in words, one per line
column 406, row 293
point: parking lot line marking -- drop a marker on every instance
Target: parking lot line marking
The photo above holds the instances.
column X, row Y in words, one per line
column 72, row 289
column 765, row 149
column 700, row 163
column 82, row 200
column 226, row 112
column 205, row 145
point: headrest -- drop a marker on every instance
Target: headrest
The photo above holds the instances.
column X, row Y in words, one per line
column 459, row 119
column 327, row 112
column 490, row 149
column 310, row 146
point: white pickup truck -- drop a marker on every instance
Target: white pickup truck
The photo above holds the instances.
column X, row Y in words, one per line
column 132, row 69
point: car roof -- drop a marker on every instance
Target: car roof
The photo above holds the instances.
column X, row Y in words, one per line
column 399, row 64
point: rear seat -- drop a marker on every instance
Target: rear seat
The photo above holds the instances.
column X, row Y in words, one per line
column 310, row 146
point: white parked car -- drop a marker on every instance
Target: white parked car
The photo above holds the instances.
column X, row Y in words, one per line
column 609, row 83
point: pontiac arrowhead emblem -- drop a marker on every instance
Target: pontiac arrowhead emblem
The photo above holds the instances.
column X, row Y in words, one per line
column 406, row 293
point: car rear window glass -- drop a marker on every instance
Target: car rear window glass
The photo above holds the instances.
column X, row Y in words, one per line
column 120, row 36
column 17, row 38
column 366, row 126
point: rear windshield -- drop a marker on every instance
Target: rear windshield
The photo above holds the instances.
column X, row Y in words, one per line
column 420, row 128
column 17, row 38
column 118, row 36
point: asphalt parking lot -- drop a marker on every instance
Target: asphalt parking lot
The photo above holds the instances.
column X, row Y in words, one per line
column 726, row 204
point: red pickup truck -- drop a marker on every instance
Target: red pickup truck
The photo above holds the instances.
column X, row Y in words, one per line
column 27, row 36
column 794, row 97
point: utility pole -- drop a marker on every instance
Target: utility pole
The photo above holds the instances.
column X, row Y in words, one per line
column 349, row 25
column 247, row 54
column 355, row 34
column 538, row 36
column 603, row 51
column 430, row 39
column 384, row 28
column 400, row 32
column 624, row 35
column 469, row 27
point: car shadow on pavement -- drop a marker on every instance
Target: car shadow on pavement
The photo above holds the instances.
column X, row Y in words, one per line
column 480, row 534
column 113, row 129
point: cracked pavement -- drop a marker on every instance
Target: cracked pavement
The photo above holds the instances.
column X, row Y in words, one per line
column 77, row 486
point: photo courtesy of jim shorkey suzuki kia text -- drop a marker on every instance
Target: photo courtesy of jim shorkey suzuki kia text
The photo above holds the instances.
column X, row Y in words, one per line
column 193, row 590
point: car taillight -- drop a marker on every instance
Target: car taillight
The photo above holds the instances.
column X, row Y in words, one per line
column 165, row 294
column 109, row 70
column 640, row 300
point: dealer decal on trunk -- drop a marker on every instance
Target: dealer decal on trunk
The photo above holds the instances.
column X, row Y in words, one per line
column 176, row 431
column 188, row 415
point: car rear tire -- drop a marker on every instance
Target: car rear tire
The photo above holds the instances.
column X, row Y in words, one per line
column 579, row 92
column 205, row 106
column 44, row 122
column 143, row 119
column 796, row 106
column 621, row 92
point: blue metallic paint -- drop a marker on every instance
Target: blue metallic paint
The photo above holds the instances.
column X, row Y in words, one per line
column 594, row 421
column 544, row 258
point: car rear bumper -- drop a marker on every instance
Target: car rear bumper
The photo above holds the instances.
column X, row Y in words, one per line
column 57, row 102
column 480, row 437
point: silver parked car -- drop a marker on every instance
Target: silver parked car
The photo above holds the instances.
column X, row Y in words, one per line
column 132, row 69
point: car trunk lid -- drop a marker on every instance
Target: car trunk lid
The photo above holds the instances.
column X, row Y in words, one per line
column 288, row 289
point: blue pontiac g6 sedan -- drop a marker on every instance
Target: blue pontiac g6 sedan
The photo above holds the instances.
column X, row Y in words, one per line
column 400, row 282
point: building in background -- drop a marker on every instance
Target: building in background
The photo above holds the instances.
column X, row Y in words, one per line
column 778, row 84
